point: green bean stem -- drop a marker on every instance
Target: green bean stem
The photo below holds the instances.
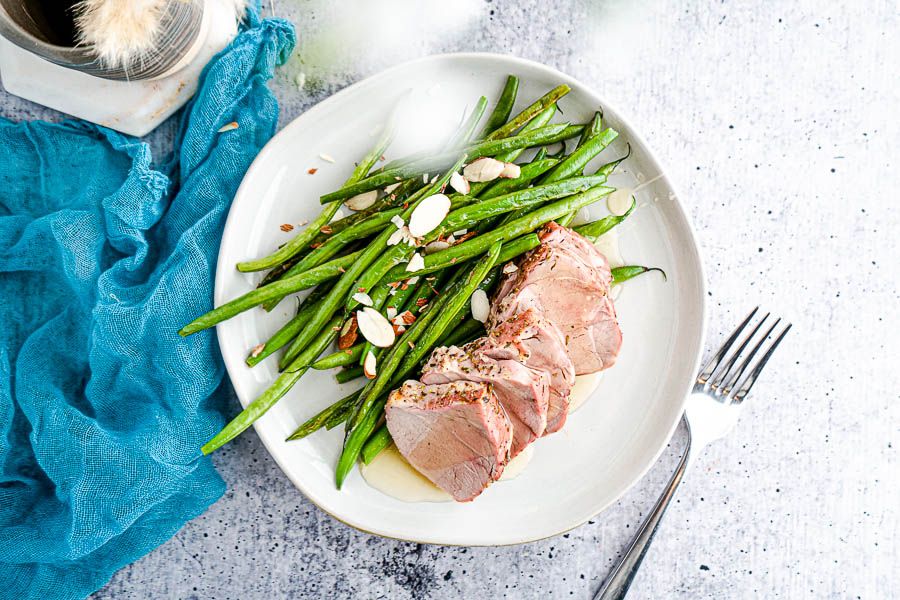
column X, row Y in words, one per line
column 622, row 274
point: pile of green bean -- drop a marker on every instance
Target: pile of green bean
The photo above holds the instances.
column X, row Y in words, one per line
column 338, row 258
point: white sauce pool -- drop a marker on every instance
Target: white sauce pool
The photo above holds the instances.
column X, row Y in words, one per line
column 390, row 474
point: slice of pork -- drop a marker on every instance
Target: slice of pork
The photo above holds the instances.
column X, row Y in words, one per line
column 567, row 280
column 535, row 342
column 523, row 392
column 455, row 434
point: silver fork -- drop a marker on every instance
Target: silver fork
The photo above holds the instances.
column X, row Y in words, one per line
column 711, row 411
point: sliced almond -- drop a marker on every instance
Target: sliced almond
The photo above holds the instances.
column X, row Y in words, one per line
column 407, row 318
column 229, row 127
column 416, row 263
column 510, row 267
column 375, row 327
column 397, row 237
column 483, row 169
column 481, row 308
column 460, row 183
column 363, row 298
column 369, row 365
column 428, row 214
column 326, row 157
column 398, row 221
column 398, row 329
column 391, row 312
column 362, row 201
column 451, row 239
column 412, row 280
column 257, row 350
column 391, row 187
column 511, row 171
column 436, row 246
column 459, row 232
column 348, row 334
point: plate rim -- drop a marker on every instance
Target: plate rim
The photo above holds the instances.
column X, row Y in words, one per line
column 695, row 251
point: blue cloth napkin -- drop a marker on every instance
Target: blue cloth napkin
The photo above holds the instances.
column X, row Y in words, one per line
column 103, row 256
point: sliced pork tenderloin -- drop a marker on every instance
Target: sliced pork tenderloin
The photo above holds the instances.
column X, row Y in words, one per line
column 455, row 434
column 535, row 342
column 523, row 392
column 567, row 281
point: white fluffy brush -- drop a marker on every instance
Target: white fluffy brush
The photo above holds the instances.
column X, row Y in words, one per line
column 122, row 32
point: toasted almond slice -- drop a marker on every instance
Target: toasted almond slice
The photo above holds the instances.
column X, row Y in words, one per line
column 369, row 365
column 436, row 246
column 480, row 306
column 326, row 157
column 511, row 171
column 362, row 201
column 510, row 267
column 416, row 263
column 398, row 221
column 412, row 280
column 257, row 350
column 483, row 169
column 391, row 312
column 451, row 239
column 348, row 334
column 229, row 127
column 407, row 318
column 375, row 327
column 428, row 214
column 460, row 183
column 363, row 298
column 338, row 215
column 459, row 232
column 398, row 329
column 397, row 237
column 391, row 188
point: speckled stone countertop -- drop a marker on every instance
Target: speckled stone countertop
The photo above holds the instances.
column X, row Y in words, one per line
column 779, row 123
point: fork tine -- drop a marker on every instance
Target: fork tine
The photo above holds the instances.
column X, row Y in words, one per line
column 720, row 376
column 713, row 362
column 747, row 384
column 726, row 384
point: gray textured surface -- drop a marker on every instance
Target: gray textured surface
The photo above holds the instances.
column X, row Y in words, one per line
column 780, row 125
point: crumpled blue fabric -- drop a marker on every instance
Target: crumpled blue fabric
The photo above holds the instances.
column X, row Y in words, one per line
column 103, row 256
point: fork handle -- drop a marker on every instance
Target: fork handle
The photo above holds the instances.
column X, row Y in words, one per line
column 616, row 585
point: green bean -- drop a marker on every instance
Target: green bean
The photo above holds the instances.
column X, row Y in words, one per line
column 348, row 374
column 527, row 223
column 284, row 335
column 318, row 421
column 299, row 242
column 531, row 111
column 574, row 163
column 543, row 135
column 522, row 199
column 595, row 229
column 279, row 388
column 504, row 106
column 593, row 129
column 621, row 274
column 365, row 419
column 364, row 228
column 277, row 289
column 341, row 358
column 379, row 440
column 464, row 133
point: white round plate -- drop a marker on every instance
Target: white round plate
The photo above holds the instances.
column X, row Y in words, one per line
column 607, row 445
